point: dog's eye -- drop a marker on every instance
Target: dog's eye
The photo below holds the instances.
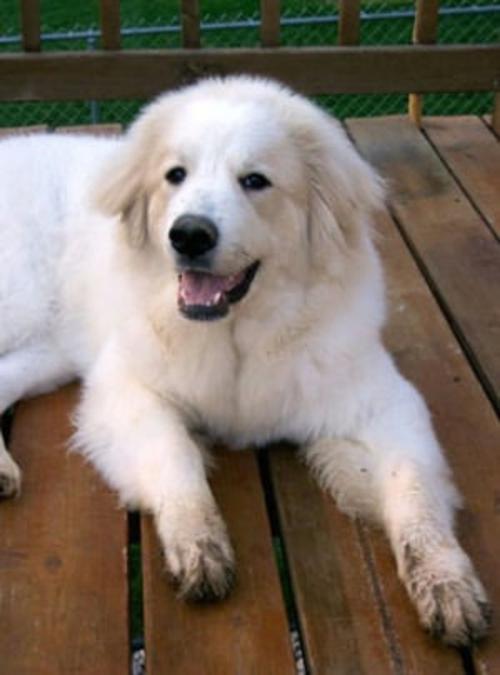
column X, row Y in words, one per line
column 254, row 181
column 176, row 175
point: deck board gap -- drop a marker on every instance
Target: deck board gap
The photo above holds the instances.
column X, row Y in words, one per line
column 385, row 617
column 6, row 420
column 459, row 183
column 281, row 558
column 135, row 582
column 467, row 661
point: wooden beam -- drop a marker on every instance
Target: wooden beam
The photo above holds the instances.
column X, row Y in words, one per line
column 30, row 25
column 312, row 70
column 191, row 36
column 110, row 24
column 349, row 22
column 270, row 23
column 424, row 32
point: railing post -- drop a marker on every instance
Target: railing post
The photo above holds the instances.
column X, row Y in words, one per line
column 424, row 32
column 30, row 23
column 349, row 22
column 110, row 24
column 191, row 35
column 270, row 23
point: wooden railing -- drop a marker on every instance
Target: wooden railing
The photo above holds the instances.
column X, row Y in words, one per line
column 344, row 68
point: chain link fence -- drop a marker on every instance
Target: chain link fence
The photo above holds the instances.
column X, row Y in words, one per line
column 156, row 24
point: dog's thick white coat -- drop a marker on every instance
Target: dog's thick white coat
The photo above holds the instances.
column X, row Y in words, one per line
column 88, row 287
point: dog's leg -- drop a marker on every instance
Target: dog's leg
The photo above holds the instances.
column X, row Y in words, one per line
column 393, row 470
column 140, row 444
column 30, row 370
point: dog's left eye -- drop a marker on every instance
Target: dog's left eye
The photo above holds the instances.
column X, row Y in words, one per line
column 176, row 175
column 255, row 181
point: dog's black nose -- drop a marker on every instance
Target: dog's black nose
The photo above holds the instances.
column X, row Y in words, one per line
column 193, row 235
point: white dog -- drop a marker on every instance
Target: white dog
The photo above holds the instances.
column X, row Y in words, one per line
column 212, row 275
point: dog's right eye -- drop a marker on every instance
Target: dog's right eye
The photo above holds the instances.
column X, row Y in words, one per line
column 254, row 181
column 176, row 175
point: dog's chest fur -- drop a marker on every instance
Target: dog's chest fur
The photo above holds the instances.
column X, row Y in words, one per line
column 249, row 391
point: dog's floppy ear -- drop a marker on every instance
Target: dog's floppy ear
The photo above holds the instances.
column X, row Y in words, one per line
column 120, row 191
column 122, row 187
column 343, row 189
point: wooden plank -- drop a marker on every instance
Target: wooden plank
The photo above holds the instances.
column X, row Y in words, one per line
column 312, row 70
column 349, row 21
column 427, row 353
column 248, row 632
column 92, row 130
column 110, row 24
column 270, row 27
column 63, row 555
column 330, row 574
column 22, row 131
column 30, row 25
column 472, row 153
column 191, row 36
column 460, row 256
column 424, row 32
column 337, row 603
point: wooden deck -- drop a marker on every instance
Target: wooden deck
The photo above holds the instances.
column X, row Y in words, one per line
column 64, row 547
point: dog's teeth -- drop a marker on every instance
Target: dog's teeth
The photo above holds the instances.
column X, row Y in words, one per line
column 218, row 297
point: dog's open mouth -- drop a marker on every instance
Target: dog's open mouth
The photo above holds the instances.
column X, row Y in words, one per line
column 205, row 297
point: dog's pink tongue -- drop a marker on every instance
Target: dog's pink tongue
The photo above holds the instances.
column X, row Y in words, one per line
column 198, row 288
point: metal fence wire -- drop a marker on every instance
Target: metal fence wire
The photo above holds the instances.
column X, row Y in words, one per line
column 156, row 24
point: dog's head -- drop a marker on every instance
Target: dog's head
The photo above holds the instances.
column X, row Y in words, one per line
column 236, row 179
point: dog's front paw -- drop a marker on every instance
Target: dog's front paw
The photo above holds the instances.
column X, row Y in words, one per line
column 449, row 598
column 10, row 478
column 202, row 570
column 198, row 554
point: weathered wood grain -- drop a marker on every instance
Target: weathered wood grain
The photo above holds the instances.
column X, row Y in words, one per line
column 336, row 601
column 472, row 153
column 428, row 354
column 248, row 632
column 460, row 256
column 63, row 555
column 312, row 70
